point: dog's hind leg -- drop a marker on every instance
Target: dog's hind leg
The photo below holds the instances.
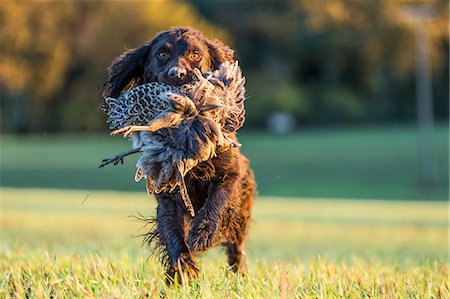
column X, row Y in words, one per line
column 235, row 246
column 236, row 256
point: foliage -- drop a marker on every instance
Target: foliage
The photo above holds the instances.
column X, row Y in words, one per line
column 58, row 52
column 81, row 247
column 365, row 49
column 325, row 62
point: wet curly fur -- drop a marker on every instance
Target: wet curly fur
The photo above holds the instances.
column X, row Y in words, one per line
column 221, row 189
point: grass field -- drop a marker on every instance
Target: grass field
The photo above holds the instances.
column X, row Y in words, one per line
column 64, row 244
column 370, row 163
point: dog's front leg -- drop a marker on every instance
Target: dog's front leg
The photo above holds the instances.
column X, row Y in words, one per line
column 172, row 227
column 204, row 225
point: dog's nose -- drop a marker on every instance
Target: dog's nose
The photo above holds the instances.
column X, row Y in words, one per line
column 176, row 72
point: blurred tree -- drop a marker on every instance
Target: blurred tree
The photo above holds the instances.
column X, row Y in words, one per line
column 54, row 56
column 383, row 45
column 355, row 58
column 34, row 59
column 323, row 61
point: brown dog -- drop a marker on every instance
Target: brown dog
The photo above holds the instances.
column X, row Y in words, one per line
column 222, row 188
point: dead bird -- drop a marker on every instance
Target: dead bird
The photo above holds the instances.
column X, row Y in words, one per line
column 178, row 127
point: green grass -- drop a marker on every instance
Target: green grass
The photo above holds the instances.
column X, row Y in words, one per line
column 80, row 244
column 371, row 163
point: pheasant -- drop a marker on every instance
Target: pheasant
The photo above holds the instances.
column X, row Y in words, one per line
column 178, row 127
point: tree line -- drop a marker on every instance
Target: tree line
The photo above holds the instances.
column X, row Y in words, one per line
column 322, row 62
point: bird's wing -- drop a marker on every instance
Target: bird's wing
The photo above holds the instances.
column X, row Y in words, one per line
column 139, row 105
column 234, row 97
column 221, row 94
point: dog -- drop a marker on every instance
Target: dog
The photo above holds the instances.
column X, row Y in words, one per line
column 221, row 189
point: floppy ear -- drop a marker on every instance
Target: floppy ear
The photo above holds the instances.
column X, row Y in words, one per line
column 219, row 53
column 128, row 68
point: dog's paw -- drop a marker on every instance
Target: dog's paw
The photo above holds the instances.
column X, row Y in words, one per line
column 182, row 270
column 202, row 233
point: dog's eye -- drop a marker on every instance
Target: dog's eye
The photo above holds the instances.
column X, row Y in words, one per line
column 163, row 55
column 196, row 56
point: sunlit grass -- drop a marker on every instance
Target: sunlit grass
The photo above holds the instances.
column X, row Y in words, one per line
column 80, row 244
column 122, row 277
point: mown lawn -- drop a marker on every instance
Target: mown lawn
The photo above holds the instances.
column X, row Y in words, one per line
column 65, row 244
column 370, row 163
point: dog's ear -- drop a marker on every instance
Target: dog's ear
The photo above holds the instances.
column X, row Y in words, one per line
column 125, row 69
column 219, row 53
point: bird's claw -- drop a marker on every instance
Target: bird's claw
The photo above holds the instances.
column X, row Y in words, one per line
column 116, row 160
column 127, row 131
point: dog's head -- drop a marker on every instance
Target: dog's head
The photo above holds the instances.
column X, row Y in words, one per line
column 169, row 58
